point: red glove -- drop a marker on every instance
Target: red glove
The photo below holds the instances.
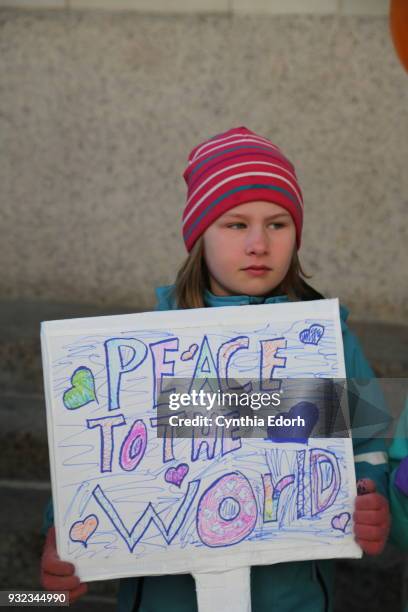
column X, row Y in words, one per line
column 371, row 518
column 57, row 575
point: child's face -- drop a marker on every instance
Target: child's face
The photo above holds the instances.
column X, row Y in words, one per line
column 251, row 234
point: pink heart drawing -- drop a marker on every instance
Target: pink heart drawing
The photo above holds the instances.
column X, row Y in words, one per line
column 341, row 521
column 189, row 353
column 81, row 531
column 176, row 475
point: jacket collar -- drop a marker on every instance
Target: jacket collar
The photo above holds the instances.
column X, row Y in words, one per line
column 240, row 300
column 165, row 301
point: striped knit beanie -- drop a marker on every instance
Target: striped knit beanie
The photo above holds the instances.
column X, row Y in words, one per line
column 232, row 168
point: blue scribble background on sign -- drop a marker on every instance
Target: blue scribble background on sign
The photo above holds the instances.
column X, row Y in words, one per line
column 266, row 490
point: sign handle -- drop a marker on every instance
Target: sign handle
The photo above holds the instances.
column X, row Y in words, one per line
column 229, row 591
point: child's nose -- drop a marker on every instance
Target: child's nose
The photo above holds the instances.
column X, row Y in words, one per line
column 257, row 242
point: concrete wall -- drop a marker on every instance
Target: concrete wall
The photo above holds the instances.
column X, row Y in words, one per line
column 99, row 109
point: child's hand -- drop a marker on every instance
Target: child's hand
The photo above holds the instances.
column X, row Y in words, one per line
column 371, row 518
column 57, row 575
column 401, row 477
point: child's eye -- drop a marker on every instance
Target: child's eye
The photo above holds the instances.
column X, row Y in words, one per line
column 232, row 225
column 239, row 225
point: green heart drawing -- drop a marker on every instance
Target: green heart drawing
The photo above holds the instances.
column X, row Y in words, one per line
column 82, row 391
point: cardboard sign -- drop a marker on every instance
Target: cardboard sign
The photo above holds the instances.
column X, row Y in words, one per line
column 131, row 498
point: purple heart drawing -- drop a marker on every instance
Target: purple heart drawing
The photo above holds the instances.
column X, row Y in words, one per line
column 308, row 411
column 340, row 521
column 176, row 475
column 312, row 334
column 189, row 353
column 81, row 531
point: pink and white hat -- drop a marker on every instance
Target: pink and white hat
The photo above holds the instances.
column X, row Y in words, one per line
column 232, row 168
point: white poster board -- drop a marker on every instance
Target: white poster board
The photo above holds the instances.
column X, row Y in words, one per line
column 128, row 502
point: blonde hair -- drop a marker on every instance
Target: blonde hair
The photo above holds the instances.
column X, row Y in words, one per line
column 193, row 279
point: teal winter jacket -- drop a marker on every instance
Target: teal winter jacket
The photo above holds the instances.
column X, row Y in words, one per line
column 305, row 586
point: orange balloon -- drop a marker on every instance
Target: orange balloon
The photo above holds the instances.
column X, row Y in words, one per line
column 399, row 29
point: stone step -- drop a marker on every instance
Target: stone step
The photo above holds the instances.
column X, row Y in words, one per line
column 21, row 542
column 385, row 346
column 20, row 349
column 23, row 438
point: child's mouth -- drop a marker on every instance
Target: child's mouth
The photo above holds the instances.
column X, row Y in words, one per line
column 256, row 271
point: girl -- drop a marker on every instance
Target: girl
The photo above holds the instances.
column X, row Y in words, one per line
column 242, row 226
